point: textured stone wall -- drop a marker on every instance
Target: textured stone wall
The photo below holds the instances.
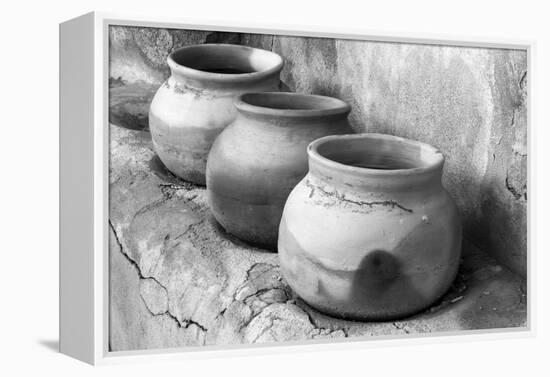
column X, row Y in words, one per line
column 469, row 102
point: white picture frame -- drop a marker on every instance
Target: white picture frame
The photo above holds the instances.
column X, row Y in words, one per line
column 84, row 188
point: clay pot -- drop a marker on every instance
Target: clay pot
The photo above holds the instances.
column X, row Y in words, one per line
column 259, row 158
column 370, row 233
column 196, row 102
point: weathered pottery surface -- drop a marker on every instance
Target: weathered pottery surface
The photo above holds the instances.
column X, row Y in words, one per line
column 256, row 161
column 177, row 279
column 195, row 103
column 370, row 233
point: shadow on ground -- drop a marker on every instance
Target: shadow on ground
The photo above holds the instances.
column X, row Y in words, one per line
column 50, row 344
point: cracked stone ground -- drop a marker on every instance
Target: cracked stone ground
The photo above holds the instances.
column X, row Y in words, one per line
column 177, row 279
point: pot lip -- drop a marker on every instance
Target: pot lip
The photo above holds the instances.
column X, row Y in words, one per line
column 432, row 167
column 199, row 75
column 335, row 106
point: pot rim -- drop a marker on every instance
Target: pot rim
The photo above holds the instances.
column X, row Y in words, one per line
column 433, row 166
column 199, row 75
column 322, row 105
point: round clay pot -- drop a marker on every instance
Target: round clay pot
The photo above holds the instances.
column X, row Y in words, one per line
column 259, row 158
column 196, row 102
column 370, row 233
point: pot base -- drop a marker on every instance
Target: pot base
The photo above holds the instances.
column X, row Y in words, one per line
column 379, row 288
column 255, row 224
column 192, row 170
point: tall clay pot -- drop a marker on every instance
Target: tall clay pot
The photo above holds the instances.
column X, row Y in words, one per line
column 259, row 158
column 370, row 233
column 196, row 102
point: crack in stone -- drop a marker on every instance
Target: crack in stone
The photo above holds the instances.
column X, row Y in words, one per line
column 188, row 322
column 257, row 295
column 317, row 326
column 400, row 327
column 522, row 80
column 342, row 197
column 272, row 318
column 194, row 236
column 252, row 317
column 249, row 300
column 152, row 205
column 248, row 279
column 517, row 195
column 168, row 192
column 129, row 259
column 170, row 188
column 183, row 323
column 345, row 331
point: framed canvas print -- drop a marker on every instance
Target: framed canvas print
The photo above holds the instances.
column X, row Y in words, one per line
column 235, row 189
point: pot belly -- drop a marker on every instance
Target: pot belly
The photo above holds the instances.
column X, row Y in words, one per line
column 184, row 150
column 244, row 199
column 368, row 261
column 184, row 126
column 256, row 223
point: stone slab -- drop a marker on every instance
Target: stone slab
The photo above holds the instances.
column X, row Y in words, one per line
column 177, row 279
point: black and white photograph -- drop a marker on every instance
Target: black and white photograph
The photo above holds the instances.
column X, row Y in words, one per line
column 275, row 189
column 281, row 189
